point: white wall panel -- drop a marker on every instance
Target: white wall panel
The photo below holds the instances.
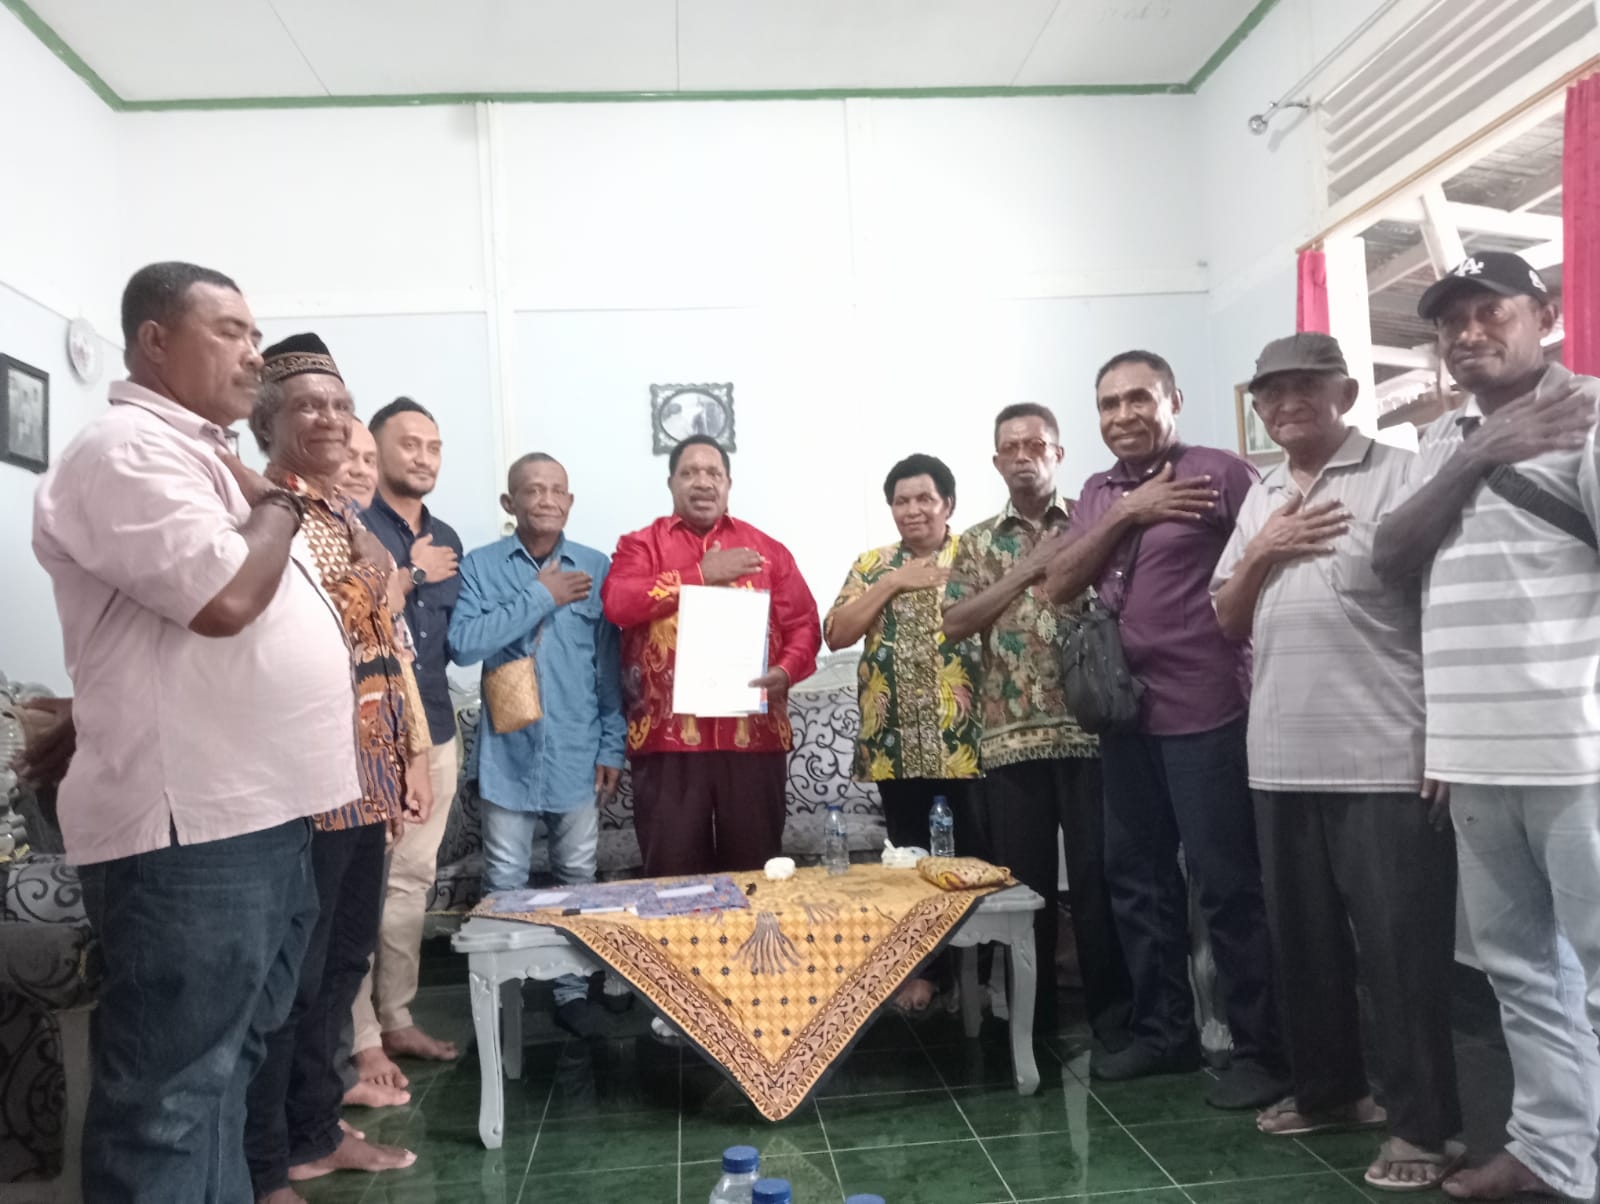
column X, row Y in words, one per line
column 296, row 202
column 1036, row 196
column 675, row 205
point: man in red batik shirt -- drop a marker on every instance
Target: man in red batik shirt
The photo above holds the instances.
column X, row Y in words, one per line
column 708, row 794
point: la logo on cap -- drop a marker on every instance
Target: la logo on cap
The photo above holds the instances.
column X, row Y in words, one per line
column 1538, row 280
column 1472, row 267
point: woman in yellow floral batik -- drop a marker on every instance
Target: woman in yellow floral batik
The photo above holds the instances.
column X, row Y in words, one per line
column 919, row 733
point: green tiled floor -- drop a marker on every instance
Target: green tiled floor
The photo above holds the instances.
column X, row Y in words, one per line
column 916, row 1114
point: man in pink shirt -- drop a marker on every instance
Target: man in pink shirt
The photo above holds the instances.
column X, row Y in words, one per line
column 215, row 712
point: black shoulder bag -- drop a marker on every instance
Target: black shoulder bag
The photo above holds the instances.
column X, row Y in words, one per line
column 1102, row 695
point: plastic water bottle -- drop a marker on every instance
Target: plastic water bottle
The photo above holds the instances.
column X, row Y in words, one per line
column 739, row 1175
column 835, row 841
column 864, row 1200
column 773, row 1191
column 941, row 828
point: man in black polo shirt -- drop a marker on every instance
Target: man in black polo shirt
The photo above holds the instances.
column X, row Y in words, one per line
column 427, row 551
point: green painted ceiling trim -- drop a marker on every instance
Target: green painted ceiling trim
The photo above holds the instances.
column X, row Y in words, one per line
column 463, row 98
column 70, row 57
column 65, row 53
column 1209, row 67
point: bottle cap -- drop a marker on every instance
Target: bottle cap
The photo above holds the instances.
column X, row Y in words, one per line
column 772, row 1191
column 740, row 1159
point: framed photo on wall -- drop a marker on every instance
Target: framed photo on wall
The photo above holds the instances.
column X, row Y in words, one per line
column 1255, row 444
column 678, row 411
column 24, row 415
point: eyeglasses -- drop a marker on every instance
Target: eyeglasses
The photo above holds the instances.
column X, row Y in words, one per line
column 1032, row 448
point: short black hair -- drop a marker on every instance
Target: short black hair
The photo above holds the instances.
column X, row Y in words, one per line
column 400, row 405
column 919, row 465
column 1026, row 409
column 159, row 292
column 1148, row 358
column 523, row 462
column 692, row 441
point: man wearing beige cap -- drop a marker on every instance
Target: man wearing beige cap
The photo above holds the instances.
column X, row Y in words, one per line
column 1356, row 852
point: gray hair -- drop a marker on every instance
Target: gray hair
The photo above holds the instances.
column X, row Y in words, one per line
column 269, row 403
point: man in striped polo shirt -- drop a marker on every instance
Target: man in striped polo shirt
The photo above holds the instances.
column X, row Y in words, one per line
column 1501, row 528
column 1356, row 854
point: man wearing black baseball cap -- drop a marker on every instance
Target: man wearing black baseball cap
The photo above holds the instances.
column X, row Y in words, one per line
column 1500, row 526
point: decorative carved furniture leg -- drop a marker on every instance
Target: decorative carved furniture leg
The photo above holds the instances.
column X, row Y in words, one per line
column 486, row 1023
column 1024, row 978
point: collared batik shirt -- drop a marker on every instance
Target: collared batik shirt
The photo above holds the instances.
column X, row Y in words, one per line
column 360, row 593
column 915, row 688
column 1022, row 708
column 640, row 594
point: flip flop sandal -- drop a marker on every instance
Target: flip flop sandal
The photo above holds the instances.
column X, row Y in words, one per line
column 1323, row 1123
column 1443, row 1165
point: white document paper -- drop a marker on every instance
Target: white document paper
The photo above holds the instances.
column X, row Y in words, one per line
column 528, row 900
column 683, row 892
column 722, row 648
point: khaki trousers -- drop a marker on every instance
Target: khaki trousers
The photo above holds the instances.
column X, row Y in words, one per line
column 384, row 1003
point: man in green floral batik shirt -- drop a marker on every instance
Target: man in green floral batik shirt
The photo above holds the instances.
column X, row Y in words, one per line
column 1041, row 771
column 919, row 733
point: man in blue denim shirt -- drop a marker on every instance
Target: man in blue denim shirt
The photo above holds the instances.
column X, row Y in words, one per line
column 538, row 593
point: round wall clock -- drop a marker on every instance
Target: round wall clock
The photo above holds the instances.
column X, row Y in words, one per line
column 83, row 350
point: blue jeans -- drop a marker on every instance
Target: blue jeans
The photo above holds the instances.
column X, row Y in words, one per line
column 1530, row 882
column 508, row 854
column 200, row 947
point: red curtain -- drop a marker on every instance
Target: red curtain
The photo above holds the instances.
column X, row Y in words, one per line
column 1580, row 210
column 1311, row 301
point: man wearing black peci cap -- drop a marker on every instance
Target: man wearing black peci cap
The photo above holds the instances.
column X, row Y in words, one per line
column 1501, row 528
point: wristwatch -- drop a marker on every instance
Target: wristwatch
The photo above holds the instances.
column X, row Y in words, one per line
column 418, row 575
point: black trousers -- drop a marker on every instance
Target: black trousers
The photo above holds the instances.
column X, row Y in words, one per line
column 293, row 1105
column 905, row 819
column 905, row 812
column 1163, row 791
column 1024, row 805
column 706, row 812
column 1362, row 885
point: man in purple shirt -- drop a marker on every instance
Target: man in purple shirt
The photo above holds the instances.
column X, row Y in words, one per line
column 1147, row 535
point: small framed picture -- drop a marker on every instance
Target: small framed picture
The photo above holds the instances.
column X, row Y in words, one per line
column 1255, row 444
column 24, row 415
column 678, row 411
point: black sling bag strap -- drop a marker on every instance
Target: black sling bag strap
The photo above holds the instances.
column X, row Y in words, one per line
column 1529, row 495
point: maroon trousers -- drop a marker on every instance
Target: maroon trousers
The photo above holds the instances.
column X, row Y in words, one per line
column 704, row 812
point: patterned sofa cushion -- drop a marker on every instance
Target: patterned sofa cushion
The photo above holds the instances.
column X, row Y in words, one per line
column 45, row 939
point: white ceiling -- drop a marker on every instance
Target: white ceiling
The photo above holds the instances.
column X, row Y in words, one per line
column 158, row 50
